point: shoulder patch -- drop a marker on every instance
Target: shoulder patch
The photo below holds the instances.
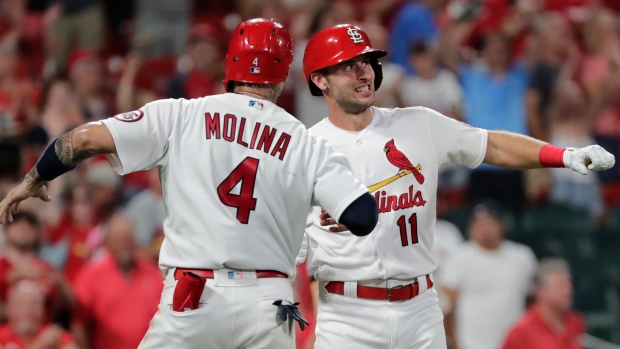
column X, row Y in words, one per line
column 131, row 116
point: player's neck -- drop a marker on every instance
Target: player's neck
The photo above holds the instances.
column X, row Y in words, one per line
column 252, row 92
column 350, row 122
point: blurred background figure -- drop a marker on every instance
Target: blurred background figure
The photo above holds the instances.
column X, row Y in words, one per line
column 146, row 211
column 390, row 93
column 19, row 261
column 550, row 323
column 26, row 327
column 403, row 34
column 487, row 281
column 86, row 76
column 431, row 86
column 168, row 36
column 204, row 60
column 74, row 23
column 500, row 107
column 117, row 294
column 66, row 246
column 60, row 110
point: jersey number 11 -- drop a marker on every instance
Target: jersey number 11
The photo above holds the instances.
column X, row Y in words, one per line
column 413, row 222
column 244, row 202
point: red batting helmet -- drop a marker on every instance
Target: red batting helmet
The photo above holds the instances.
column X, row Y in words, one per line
column 337, row 44
column 260, row 52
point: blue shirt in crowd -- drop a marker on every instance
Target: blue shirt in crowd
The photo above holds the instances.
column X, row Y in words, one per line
column 494, row 102
column 414, row 22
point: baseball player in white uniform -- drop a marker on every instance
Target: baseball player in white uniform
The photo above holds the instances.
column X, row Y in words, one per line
column 377, row 291
column 239, row 175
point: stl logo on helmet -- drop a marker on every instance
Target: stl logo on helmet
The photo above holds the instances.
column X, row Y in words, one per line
column 355, row 36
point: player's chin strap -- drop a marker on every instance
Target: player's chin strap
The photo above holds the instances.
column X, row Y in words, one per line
column 286, row 310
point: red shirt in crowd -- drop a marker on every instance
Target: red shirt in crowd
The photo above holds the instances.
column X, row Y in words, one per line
column 533, row 332
column 42, row 277
column 78, row 252
column 116, row 309
column 10, row 340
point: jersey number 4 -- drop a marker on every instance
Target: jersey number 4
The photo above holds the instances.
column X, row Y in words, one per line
column 413, row 222
column 244, row 202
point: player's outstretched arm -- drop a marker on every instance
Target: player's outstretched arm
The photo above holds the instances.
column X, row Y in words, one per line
column 512, row 150
column 60, row 156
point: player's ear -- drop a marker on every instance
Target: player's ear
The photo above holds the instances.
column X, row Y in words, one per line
column 319, row 80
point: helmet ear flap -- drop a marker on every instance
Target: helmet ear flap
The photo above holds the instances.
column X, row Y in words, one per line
column 376, row 66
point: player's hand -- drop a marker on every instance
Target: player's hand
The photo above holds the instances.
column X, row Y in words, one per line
column 327, row 220
column 592, row 157
column 22, row 192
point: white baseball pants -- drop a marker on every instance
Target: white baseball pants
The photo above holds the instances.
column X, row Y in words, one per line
column 232, row 314
column 356, row 323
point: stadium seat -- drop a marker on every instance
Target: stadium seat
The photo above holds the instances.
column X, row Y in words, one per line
column 556, row 218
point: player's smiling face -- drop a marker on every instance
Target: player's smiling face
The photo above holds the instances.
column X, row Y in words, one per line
column 352, row 84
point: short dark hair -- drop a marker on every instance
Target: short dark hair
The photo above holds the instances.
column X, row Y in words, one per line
column 418, row 47
column 28, row 217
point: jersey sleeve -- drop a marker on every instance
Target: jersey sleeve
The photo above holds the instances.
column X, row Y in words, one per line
column 455, row 141
column 141, row 137
column 335, row 187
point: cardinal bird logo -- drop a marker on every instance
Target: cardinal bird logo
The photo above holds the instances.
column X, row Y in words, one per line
column 398, row 159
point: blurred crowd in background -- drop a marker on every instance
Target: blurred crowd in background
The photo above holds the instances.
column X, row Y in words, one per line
column 81, row 271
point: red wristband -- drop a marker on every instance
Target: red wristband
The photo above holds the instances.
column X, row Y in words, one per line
column 551, row 156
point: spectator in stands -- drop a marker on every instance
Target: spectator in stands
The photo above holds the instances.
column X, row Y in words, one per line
column 26, row 327
column 448, row 240
column 390, row 93
column 494, row 91
column 487, row 280
column 571, row 123
column 555, row 50
column 77, row 23
column 308, row 108
column 146, row 211
column 60, row 109
column 118, row 294
column 128, row 95
column 549, row 323
column 67, row 247
column 19, row 261
column 403, row 33
column 600, row 76
column 431, row 86
column 206, row 68
column 167, row 37
column 17, row 109
column 86, row 75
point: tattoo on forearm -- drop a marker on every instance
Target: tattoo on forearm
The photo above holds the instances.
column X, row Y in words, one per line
column 33, row 177
column 68, row 154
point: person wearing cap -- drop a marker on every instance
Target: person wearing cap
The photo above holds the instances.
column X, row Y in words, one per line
column 488, row 280
column 238, row 175
column 378, row 291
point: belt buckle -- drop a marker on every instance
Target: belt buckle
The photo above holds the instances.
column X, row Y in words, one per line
column 389, row 293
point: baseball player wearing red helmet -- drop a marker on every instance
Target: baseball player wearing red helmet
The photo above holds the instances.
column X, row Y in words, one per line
column 378, row 292
column 239, row 175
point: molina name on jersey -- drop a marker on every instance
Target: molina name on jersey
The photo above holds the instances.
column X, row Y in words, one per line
column 238, row 177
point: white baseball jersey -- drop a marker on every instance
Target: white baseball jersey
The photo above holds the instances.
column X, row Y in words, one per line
column 238, row 177
column 397, row 156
